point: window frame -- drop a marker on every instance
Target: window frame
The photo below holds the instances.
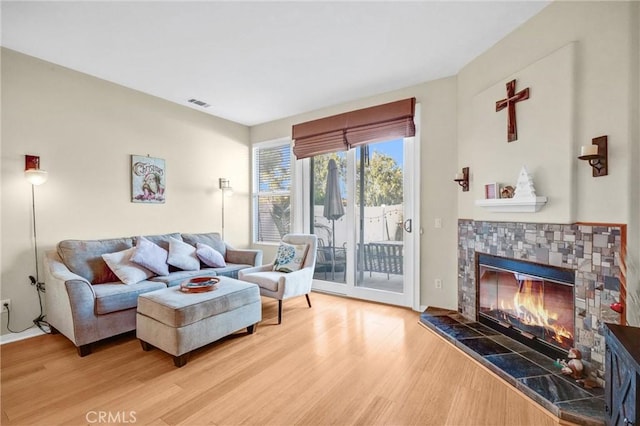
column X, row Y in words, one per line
column 255, row 190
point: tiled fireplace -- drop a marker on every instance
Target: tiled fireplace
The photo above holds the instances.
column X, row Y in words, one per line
column 528, row 292
column 587, row 255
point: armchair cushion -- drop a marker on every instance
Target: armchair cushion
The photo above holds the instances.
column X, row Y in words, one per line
column 264, row 279
column 183, row 255
column 127, row 271
column 290, row 257
column 151, row 256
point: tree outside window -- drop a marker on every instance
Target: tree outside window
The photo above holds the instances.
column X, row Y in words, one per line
column 272, row 192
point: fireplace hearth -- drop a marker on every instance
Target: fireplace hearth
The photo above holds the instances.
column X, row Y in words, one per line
column 529, row 302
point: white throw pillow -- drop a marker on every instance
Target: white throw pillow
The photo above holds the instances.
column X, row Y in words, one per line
column 127, row 271
column 210, row 256
column 182, row 255
column 290, row 257
column 151, row 256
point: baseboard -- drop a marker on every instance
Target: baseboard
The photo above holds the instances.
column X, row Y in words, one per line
column 14, row 337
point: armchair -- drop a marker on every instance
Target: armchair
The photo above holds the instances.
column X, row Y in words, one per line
column 281, row 285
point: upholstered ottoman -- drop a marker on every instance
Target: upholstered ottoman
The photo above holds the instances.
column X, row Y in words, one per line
column 178, row 322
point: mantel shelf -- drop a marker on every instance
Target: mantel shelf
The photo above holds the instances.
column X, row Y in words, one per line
column 513, row 205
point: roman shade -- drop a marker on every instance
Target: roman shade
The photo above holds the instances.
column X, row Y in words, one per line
column 344, row 131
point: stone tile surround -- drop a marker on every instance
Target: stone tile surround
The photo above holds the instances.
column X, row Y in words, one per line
column 593, row 251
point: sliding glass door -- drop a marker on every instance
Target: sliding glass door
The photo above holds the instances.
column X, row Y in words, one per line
column 361, row 209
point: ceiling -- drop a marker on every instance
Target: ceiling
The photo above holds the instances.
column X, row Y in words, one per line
column 255, row 62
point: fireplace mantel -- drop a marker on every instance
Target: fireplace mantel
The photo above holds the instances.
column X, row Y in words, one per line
column 513, row 205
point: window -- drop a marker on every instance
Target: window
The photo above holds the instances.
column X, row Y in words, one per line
column 271, row 191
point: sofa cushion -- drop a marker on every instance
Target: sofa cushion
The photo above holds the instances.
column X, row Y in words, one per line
column 162, row 240
column 151, row 256
column 212, row 239
column 117, row 297
column 176, row 278
column 127, row 271
column 210, row 256
column 230, row 270
column 84, row 257
column 183, row 255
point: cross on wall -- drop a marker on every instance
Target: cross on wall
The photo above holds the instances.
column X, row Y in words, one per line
column 510, row 103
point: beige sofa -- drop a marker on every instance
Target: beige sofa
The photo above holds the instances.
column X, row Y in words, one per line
column 87, row 303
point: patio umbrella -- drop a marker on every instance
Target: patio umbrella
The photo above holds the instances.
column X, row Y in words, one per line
column 333, row 208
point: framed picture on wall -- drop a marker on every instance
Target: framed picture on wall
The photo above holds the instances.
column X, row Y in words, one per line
column 491, row 191
column 148, row 179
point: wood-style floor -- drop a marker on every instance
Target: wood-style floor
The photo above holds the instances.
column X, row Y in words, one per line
column 341, row 362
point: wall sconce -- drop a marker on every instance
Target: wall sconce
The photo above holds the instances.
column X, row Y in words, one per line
column 32, row 171
column 227, row 191
column 597, row 155
column 463, row 179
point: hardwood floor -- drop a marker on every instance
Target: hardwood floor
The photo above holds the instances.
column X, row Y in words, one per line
column 341, row 362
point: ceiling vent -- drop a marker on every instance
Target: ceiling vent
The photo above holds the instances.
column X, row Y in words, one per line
column 199, row 103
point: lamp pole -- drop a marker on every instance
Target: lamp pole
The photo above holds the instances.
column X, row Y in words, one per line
column 35, row 231
column 227, row 190
column 223, row 214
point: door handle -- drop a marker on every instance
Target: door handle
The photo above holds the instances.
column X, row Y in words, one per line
column 407, row 225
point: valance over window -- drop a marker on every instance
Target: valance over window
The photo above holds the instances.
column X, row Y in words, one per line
column 343, row 131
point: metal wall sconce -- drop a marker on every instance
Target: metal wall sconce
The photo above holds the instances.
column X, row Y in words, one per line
column 597, row 155
column 463, row 179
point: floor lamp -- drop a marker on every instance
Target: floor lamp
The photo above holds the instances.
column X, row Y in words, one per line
column 35, row 176
column 227, row 191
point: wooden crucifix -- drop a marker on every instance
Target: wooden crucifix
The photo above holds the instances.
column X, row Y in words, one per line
column 510, row 103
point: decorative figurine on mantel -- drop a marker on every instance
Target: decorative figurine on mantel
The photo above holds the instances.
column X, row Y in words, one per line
column 524, row 186
column 507, row 192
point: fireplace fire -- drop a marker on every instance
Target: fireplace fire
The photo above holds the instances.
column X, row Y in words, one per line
column 529, row 302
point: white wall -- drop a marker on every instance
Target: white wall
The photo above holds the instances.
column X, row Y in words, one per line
column 602, row 34
column 438, row 191
column 581, row 61
column 84, row 129
column 603, row 90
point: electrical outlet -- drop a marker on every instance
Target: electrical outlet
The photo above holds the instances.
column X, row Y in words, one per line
column 438, row 283
column 3, row 302
column 437, row 223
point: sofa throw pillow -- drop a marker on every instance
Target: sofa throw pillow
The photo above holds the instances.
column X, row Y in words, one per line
column 151, row 256
column 127, row 271
column 290, row 257
column 182, row 255
column 210, row 256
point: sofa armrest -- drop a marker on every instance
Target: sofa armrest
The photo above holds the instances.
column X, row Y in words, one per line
column 59, row 271
column 244, row 256
column 70, row 301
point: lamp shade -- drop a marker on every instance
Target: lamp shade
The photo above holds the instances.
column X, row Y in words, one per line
column 36, row 176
